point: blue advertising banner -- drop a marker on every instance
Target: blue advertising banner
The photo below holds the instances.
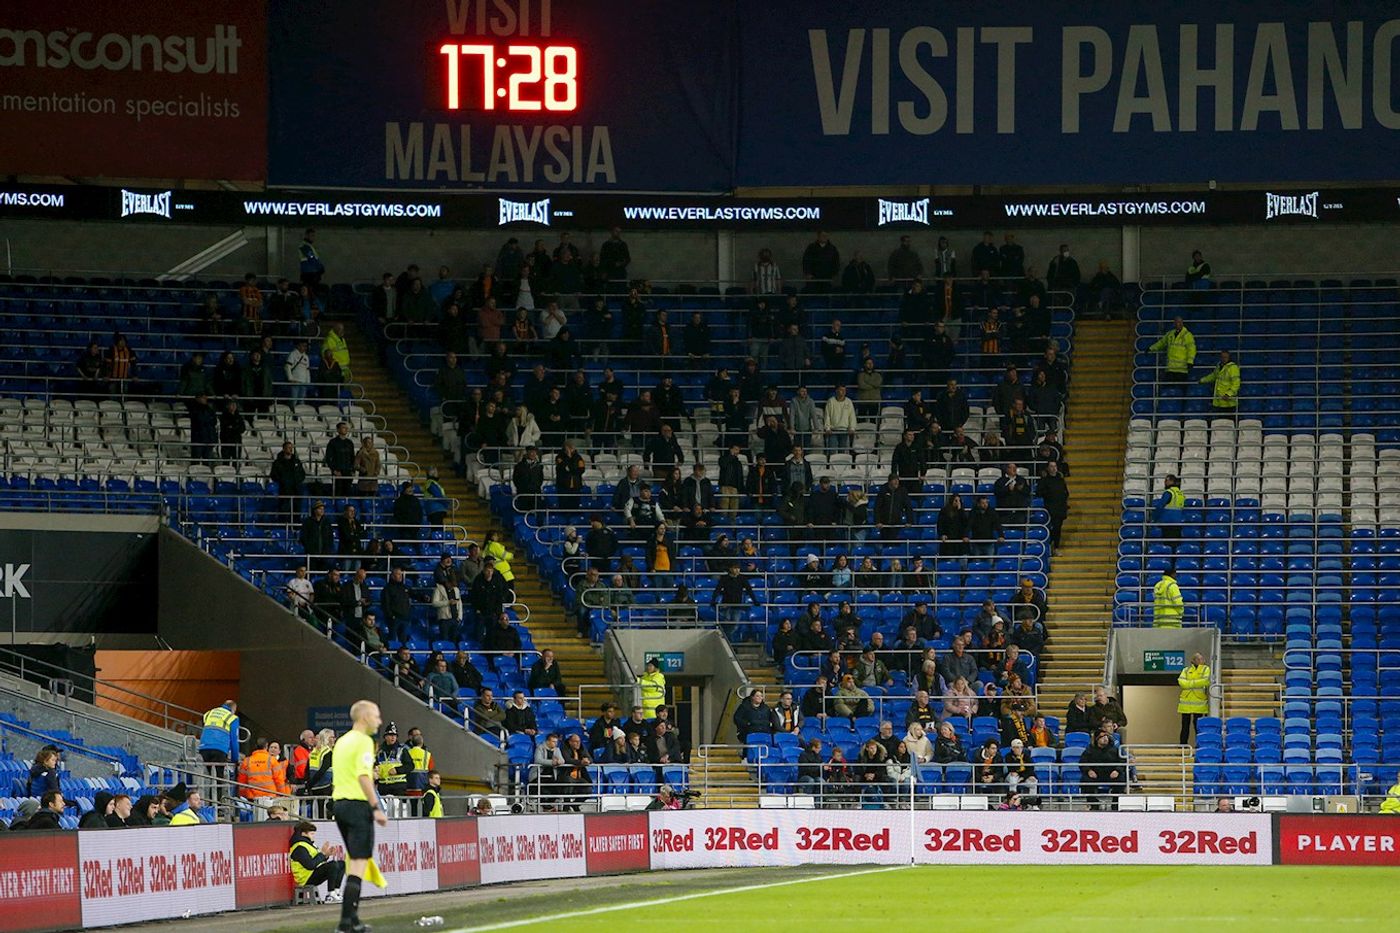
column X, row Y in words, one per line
column 502, row 94
column 1029, row 93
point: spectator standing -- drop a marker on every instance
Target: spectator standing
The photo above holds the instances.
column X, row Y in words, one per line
column 1011, row 258
column 1180, row 346
column 311, row 266
column 767, row 277
column 396, row 604
column 839, row 417
column 1013, row 494
column 984, row 528
column 858, row 277
column 821, row 263
column 340, row 460
column 1171, row 512
column 894, row 510
column 1054, row 492
column 985, row 257
column 1063, row 272
column 730, row 591
column 297, row 368
column 317, row 537
column 1198, row 272
column 289, row 475
column 904, row 263
column 869, row 383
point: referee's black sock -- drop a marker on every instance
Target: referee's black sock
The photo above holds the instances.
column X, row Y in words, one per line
column 350, row 905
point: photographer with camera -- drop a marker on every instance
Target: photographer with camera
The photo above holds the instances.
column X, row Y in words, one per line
column 667, row 798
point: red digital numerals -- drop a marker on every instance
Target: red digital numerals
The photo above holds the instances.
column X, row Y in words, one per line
column 523, row 78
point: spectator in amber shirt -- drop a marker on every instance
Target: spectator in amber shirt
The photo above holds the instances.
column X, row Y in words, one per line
column 489, row 321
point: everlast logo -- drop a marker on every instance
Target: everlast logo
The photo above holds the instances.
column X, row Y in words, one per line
column 895, row 212
column 134, row 202
column 536, row 212
column 1290, row 205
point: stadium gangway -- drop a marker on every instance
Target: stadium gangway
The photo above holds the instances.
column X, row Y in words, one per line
column 62, row 682
column 1215, row 613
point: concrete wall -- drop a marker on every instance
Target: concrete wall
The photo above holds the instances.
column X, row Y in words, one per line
column 707, row 655
column 287, row 666
column 362, row 254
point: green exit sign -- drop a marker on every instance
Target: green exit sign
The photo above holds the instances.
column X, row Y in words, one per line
column 1163, row 660
column 668, row 662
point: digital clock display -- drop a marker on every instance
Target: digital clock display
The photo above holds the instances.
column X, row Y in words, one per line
column 518, row 78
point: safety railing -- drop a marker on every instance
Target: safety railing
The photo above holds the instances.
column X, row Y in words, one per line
column 65, row 746
column 710, row 780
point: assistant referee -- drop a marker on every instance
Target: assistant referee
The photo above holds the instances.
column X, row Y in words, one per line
column 356, row 806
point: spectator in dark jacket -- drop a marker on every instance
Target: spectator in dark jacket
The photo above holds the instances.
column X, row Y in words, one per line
column 893, row 509
column 753, row 716
column 96, row 818
column 43, row 774
column 545, row 674
column 950, row 408
column 1077, row 715
column 663, row 452
column 408, row 514
column 489, row 594
column 340, row 459
column 984, row 528
column 1052, row 489
column 501, row 637
column 318, row 537
column 397, row 605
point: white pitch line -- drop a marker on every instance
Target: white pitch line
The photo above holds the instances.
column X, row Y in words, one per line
column 660, row 901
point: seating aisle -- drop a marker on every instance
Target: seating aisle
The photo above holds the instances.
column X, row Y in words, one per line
column 1080, row 591
column 580, row 663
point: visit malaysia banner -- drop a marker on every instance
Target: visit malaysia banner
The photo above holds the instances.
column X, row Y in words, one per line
column 502, row 94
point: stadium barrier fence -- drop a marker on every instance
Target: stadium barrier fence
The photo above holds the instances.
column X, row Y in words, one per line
column 63, row 880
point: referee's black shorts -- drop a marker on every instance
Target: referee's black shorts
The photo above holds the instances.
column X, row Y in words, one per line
column 355, row 820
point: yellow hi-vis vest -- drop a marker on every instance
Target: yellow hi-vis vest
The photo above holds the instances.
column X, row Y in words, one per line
column 432, row 803
column 1167, row 604
column 300, row 873
column 386, row 771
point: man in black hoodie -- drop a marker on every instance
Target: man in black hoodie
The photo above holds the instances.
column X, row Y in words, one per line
column 96, row 818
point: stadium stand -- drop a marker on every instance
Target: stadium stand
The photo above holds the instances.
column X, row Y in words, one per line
column 1290, row 523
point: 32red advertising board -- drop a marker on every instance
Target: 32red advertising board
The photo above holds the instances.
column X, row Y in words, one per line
column 1339, row 839
column 140, row 88
column 39, row 885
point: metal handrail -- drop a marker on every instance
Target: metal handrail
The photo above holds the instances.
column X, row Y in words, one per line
column 64, row 744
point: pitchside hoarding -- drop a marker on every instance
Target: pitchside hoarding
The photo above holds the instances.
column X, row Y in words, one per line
column 134, row 89
column 63, row 880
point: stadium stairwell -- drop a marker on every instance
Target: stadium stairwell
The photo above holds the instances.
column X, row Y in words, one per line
column 578, row 661
column 723, row 778
column 1080, row 590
